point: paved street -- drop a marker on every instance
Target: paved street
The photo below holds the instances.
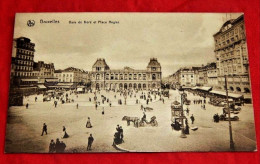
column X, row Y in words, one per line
column 25, row 125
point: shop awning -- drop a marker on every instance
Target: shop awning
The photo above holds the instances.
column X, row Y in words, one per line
column 222, row 93
column 186, row 87
column 194, row 88
column 205, row 88
column 41, row 87
column 52, row 80
column 64, row 84
column 29, row 79
column 79, row 89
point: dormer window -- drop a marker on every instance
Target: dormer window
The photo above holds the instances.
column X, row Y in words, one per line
column 153, row 68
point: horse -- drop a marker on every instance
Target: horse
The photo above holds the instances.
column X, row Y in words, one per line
column 130, row 119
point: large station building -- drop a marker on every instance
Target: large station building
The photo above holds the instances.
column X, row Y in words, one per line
column 102, row 77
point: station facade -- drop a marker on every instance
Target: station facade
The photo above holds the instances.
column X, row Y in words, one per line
column 102, row 77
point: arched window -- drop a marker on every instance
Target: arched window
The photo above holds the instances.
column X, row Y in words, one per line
column 238, row 89
column 98, row 77
column 246, row 90
column 153, row 76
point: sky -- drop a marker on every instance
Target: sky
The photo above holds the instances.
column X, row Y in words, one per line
column 175, row 39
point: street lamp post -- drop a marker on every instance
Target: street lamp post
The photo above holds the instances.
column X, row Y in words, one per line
column 232, row 145
column 183, row 135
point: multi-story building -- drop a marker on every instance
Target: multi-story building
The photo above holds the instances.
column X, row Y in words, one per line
column 202, row 76
column 72, row 75
column 185, row 77
column 45, row 71
column 212, row 76
column 102, row 77
column 22, row 62
column 85, row 77
column 232, row 57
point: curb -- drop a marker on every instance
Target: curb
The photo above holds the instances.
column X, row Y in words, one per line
column 117, row 147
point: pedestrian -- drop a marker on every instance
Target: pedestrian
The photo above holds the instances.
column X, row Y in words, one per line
column 187, row 129
column 62, row 147
column 90, row 141
column 118, row 128
column 144, row 117
column 214, row 118
column 103, row 112
column 217, row 118
column 52, row 146
column 44, row 129
column 58, row 146
column 35, row 98
column 96, row 106
column 65, row 133
column 192, row 119
column 77, row 106
column 27, row 105
column 55, row 104
column 88, row 124
column 121, row 133
column 187, row 111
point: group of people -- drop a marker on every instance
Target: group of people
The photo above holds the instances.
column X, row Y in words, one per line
column 118, row 136
column 58, row 147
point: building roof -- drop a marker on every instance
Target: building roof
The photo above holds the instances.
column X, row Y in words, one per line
column 100, row 62
column 153, row 63
column 58, row 71
column 231, row 22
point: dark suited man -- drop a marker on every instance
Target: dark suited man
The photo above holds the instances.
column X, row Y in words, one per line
column 44, row 129
column 90, row 141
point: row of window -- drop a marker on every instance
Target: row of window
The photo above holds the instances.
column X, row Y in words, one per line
column 25, row 74
column 187, row 76
column 234, row 69
column 29, row 63
column 25, row 51
column 233, row 61
column 24, row 57
column 23, row 68
column 125, row 77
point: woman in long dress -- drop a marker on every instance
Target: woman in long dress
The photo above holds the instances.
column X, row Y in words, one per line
column 88, row 125
column 65, row 133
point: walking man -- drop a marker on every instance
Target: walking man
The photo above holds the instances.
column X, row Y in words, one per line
column 44, row 129
column 192, row 119
column 90, row 141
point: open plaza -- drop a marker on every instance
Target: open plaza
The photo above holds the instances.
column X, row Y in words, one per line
column 24, row 126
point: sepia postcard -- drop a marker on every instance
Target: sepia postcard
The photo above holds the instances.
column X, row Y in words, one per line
column 129, row 82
